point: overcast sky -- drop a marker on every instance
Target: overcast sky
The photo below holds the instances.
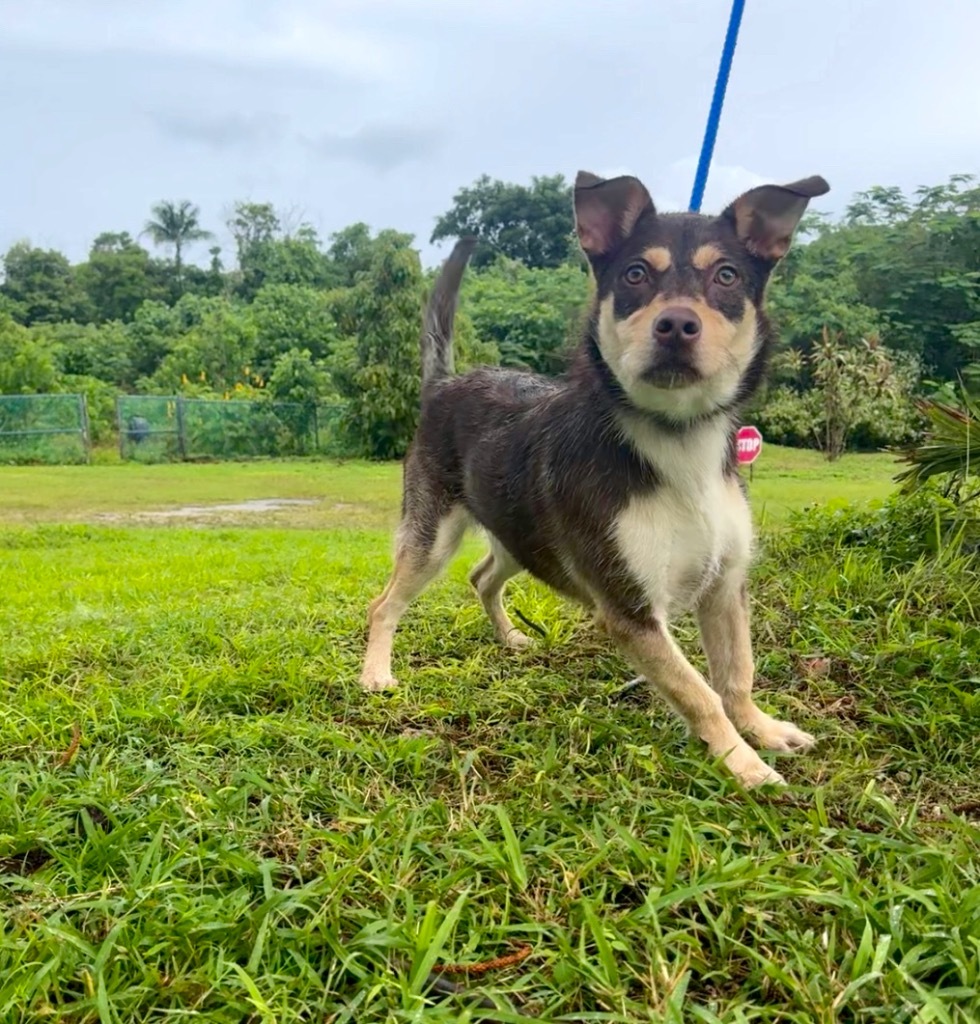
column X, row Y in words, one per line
column 379, row 110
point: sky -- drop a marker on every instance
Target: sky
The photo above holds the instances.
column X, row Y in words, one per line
column 339, row 111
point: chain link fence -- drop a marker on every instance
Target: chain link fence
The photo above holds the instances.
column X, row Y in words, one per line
column 54, row 429
column 44, row 428
column 156, row 428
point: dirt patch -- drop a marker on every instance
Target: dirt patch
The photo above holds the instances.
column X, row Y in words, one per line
column 222, row 512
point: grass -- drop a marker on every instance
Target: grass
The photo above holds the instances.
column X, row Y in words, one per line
column 201, row 817
column 361, row 493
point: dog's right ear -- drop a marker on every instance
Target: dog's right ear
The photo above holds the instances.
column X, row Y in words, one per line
column 606, row 211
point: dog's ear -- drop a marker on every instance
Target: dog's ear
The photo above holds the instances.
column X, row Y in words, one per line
column 766, row 217
column 606, row 211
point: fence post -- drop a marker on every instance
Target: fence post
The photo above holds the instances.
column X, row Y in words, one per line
column 181, row 435
column 316, row 429
column 83, row 420
column 119, row 428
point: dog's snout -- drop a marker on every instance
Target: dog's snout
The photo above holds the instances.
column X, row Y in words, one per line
column 677, row 325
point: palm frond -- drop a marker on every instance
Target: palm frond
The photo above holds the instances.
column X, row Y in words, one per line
column 950, row 446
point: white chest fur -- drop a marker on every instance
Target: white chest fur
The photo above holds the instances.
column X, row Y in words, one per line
column 693, row 527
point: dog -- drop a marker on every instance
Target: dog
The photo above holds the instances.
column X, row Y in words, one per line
column 616, row 483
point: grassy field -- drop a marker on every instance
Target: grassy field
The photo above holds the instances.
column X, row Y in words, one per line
column 202, row 818
column 360, row 494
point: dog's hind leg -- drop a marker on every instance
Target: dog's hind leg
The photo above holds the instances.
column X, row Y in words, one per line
column 488, row 579
column 418, row 561
column 723, row 617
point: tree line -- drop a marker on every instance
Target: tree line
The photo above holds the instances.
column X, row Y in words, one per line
column 872, row 309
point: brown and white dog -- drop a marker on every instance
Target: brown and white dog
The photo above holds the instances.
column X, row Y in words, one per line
column 616, row 483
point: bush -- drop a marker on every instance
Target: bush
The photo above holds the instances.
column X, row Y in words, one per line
column 901, row 529
column 100, row 401
column 842, row 396
column 533, row 316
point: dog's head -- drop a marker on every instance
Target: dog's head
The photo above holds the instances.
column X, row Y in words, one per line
column 680, row 296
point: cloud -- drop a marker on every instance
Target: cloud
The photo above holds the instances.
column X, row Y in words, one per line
column 221, row 131
column 672, row 188
column 381, row 146
column 291, row 33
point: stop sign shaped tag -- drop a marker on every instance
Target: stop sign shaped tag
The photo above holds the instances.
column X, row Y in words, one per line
column 749, row 445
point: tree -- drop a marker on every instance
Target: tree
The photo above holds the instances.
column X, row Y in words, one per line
column 25, row 366
column 352, row 250
column 157, row 327
column 848, row 390
column 102, row 352
column 214, row 355
column 911, row 262
column 298, row 377
column 291, row 316
column 302, row 382
column 177, row 225
column 41, row 286
column 119, row 277
column 532, row 224
column 530, row 315
column 376, row 366
column 267, row 254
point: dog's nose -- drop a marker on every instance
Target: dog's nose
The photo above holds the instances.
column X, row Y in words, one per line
column 677, row 325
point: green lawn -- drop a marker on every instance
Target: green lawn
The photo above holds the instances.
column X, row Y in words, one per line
column 203, row 818
column 359, row 493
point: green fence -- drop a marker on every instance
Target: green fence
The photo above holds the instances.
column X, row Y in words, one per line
column 156, row 428
column 43, row 428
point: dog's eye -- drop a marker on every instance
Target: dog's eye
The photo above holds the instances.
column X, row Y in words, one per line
column 636, row 273
column 726, row 275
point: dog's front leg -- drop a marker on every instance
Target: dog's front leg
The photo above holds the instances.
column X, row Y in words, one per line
column 651, row 650
column 723, row 616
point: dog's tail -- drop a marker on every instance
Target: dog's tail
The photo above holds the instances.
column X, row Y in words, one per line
column 437, row 324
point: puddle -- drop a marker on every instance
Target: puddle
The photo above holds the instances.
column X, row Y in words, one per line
column 253, row 505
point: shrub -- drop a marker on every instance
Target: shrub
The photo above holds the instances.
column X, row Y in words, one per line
column 901, row 529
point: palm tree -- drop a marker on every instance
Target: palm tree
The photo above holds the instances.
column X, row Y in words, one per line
column 176, row 224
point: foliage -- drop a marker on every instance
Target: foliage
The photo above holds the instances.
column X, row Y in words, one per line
column 377, row 367
column 176, row 224
column 531, row 315
column 900, row 268
column 900, row 530
column 855, row 389
column 104, row 351
column 119, row 277
column 269, row 255
column 218, row 351
column 529, row 223
column 950, row 446
column 296, row 377
column 915, row 261
column 41, row 286
column 352, row 251
column 25, row 366
column 100, row 405
column 291, row 316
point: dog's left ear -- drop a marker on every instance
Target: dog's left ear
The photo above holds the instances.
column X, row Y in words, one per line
column 606, row 211
column 766, row 217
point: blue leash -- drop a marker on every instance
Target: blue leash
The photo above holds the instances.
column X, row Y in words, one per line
column 714, row 114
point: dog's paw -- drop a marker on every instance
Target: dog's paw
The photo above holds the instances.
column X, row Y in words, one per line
column 746, row 765
column 516, row 640
column 782, row 737
column 376, row 682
